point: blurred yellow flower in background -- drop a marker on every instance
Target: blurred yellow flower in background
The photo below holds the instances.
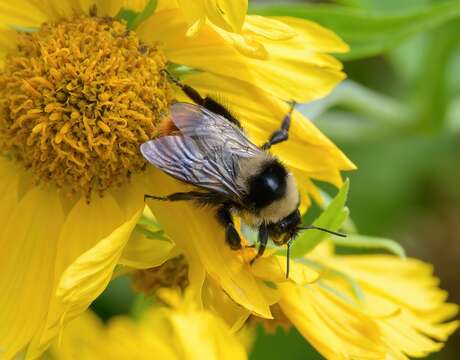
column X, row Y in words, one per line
column 73, row 112
column 180, row 331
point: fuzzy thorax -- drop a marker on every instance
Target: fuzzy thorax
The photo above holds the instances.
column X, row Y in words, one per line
column 284, row 202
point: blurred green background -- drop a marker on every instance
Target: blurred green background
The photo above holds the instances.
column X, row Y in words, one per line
column 398, row 118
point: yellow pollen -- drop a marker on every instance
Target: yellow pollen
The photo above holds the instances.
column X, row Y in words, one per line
column 77, row 100
column 172, row 274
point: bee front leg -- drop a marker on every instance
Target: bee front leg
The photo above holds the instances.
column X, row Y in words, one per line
column 263, row 239
column 232, row 237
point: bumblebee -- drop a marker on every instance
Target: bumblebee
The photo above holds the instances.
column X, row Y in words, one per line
column 209, row 149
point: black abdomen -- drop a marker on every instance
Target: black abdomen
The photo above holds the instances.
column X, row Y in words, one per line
column 268, row 185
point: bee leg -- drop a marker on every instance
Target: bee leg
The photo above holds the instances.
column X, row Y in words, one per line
column 232, row 237
column 263, row 238
column 281, row 134
column 207, row 102
column 179, row 196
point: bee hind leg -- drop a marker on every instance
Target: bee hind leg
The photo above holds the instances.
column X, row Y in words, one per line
column 207, row 102
column 282, row 134
column 180, row 196
column 232, row 238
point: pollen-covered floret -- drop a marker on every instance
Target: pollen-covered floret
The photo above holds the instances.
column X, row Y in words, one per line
column 77, row 99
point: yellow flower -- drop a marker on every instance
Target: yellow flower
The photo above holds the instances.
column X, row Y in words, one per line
column 368, row 306
column 228, row 15
column 180, row 332
column 79, row 94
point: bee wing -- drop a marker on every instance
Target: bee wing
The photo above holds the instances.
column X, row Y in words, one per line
column 206, row 154
column 209, row 130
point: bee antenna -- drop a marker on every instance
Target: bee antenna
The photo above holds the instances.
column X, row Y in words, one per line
column 321, row 229
column 288, row 258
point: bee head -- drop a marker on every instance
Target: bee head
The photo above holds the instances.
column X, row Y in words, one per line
column 285, row 229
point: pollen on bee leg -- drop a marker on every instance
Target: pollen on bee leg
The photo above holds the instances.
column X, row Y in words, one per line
column 172, row 274
column 78, row 98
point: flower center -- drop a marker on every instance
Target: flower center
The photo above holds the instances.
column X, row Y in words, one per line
column 172, row 274
column 76, row 101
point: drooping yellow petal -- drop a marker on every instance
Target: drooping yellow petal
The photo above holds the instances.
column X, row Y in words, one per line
column 300, row 78
column 335, row 328
column 28, row 241
column 216, row 300
column 419, row 295
column 143, row 252
column 88, row 276
column 83, row 228
column 404, row 300
column 197, row 232
column 273, row 268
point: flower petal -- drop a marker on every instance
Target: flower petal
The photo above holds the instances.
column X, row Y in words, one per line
column 268, row 28
column 88, row 276
column 112, row 7
column 29, row 241
column 23, row 13
column 336, row 329
column 303, row 79
column 227, row 14
column 8, row 40
column 273, row 268
column 420, row 295
column 83, row 228
column 81, row 335
column 314, row 36
column 216, row 300
column 194, row 13
column 143, row 252
column 210, row 332
column 198, row 234
column 408, row 287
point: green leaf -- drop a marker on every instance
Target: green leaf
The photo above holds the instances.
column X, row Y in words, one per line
column 332, row 218
column 127, row 15
column 150, row 229
column 179, row 71
column 370, row 243
column 369, row 33
column 134, row 18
